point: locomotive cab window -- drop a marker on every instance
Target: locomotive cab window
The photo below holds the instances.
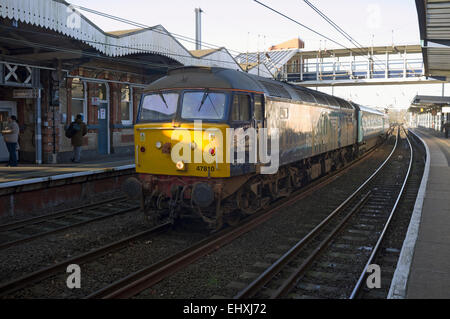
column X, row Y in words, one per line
column 203, row 105
column 241, row 109
column 159, row 106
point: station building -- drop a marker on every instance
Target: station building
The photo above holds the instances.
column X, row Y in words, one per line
column 430, row 112
column 55, row 63
column 433, row 111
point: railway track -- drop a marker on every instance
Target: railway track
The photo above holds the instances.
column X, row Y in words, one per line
column 136, row 282
column 41, row 274
column 331, row 261
column 390, row 248
column 145, row 278
column 15, row 233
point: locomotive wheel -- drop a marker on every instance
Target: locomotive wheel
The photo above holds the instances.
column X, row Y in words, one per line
column 296, row 178
column 233, row 218
column 154, row 217
column 247, row 201
column 274, row 189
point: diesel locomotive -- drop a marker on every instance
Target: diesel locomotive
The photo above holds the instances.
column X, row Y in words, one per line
column 186, row 142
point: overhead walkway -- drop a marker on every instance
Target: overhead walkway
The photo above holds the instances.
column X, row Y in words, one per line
column 358, row 66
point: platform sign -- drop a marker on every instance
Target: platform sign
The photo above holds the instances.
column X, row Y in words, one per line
column 95, row 101
column 25, row 93
column 102, row 114
column 446, row 109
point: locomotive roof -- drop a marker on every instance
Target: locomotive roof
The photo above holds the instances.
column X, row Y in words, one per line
column 369, row 110
column 220, row 78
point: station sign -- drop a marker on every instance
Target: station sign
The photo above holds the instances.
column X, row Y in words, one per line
column 95, row 101
column 446, row 109
column 25, row 93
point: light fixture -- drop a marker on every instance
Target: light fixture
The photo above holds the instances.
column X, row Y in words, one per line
column 180, row 166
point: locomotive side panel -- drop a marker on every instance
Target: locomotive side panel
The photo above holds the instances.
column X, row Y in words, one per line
column 307, row 130
column 295, row 136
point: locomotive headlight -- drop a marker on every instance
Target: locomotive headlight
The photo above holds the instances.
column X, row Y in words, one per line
column 158, row 145
column 180, row 166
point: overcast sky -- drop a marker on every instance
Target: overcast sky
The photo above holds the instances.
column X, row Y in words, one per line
column 242, row 25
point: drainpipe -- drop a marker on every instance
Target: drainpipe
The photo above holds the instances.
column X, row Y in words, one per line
column 38, row 135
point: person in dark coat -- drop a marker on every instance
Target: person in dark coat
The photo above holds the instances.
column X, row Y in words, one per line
column 11, row 137
column 77, row 138
column 446, row 127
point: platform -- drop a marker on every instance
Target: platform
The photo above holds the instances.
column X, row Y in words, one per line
column 423, row 270
column 31, row 187
column 33, row 171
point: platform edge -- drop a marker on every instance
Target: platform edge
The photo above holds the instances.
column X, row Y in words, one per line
column 399, row 281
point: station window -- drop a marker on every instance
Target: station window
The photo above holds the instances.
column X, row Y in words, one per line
column 78, row 105
column 100, row 91
column 126, row 104
column 3, row 119
column 241, row 108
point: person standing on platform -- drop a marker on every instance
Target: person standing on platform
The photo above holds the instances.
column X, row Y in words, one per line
column 75, row 132
column 446, row 128
column 11, row 136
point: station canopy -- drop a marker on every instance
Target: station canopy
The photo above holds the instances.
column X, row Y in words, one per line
column 428, row 103
column 434, row 25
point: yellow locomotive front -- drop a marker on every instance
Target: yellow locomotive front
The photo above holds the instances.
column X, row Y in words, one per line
column 182, row 163
column 188, row 146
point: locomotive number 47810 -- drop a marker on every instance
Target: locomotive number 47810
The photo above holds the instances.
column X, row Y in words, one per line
column 204, row 168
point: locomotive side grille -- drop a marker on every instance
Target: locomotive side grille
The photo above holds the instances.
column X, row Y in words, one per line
column 321, row 99
column 276, row 90
column 344, row 104
column 305, row 96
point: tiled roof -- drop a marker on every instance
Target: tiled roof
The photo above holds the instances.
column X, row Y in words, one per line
column 58, row 16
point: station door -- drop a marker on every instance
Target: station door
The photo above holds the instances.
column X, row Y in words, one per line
column 7, row 108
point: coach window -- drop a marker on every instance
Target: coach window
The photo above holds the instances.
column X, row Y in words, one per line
column 126, row 106
column 78, row 104
column 241, row 111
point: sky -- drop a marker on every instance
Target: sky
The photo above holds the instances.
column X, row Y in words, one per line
column 245, row 25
